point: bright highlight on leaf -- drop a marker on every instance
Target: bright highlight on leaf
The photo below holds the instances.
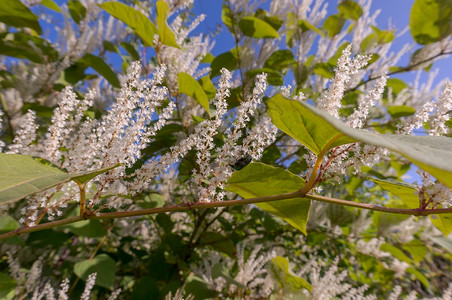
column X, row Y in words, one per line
column 257, row 28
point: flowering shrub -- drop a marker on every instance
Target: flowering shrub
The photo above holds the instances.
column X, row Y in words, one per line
column 133, row 181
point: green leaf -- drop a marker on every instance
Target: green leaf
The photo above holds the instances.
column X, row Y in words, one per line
column 443, row 222
column 406, row 192
column 417, row 250
column 273, row 77
column 8, row 223
column 228, row 60
column 88, row 228
column 208, row 87
column 304, row 125
column 14, row 13
column 77, row 10
column 142, row 26
column 318, row 130
column 350, row 10
column 23, row 175
column 22, row 45
column 306, row 26
column 190, row 87
column 396, row 252
column 166, row 35
column 226, row 17
column 333, row 24
column 195, row 285
column 419, row 276
column 280, row 267
column 131, row 50
column 103, row 265
column 325, row 70
column 218, row 241
column 279, row 60
column 398, row 111
column 51, row 5
column 430, row 20
column 7, row 286
column 102, row 68
column 258, row 180
column 257, row 28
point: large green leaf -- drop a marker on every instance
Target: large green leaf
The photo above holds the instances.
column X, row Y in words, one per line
column 431, row 20
column 190, row 87
column 304, row 125
column 257, row 28
column 406, row 192
column 258, row 180
column 102, row 68
column 333, row 24
column 142, row 26
column 7, row 286
column 23, row 175
column 14, row 13
column 443, row 222
column 103, row 265
column 317, row 130
column 166, row 35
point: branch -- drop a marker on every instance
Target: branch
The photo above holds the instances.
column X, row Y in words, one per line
column 236, row 202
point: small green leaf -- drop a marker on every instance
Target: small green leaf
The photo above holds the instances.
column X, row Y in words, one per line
column 14, row 13
column 208, row 87
column 257, row 28
column 218, row 241
column 430, row 20
column 443, row 222
column 396, row 252
column 280, row 267
column 417, row 250
column 226, row 17
column 350, row 10
column 208, row 58
column 333, row 24
column 131, row 50
column 306, row 26
column 279, row 60
column 103, row 265
column 102, row 68
column 325, row 70
column 398, row 111
column 406, row 192
column 258, row 180
column 166, row 35
column 23, row 175
column 51, row 5
column 228, row 60
column 190, row 87
column 142, row 26
column 8, row 223
column 419, row 276
column 77, row 10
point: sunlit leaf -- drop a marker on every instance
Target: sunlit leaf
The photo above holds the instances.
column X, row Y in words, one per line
column 142, row 26
column 190, row 87
column 166, row 35
column 430, row 20
column 350, row 10
column 280, row 268
column 257, row 28
column 258, row 180
column 77, row 10
column 23, row 175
